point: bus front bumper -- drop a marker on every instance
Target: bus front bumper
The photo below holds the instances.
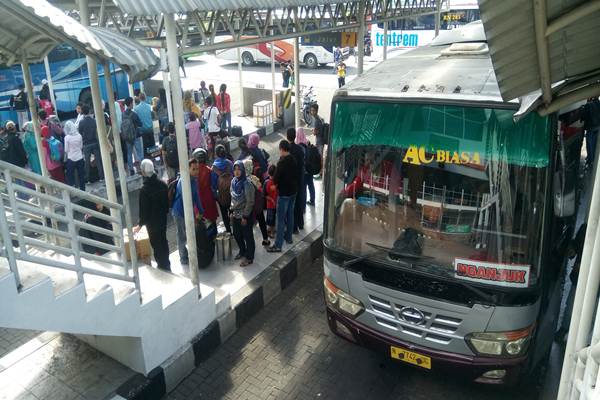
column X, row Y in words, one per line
column 472, row 368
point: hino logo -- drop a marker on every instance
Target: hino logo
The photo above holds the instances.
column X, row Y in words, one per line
column 412, row 315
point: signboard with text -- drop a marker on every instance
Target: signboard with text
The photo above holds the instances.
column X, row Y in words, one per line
column 507, row 275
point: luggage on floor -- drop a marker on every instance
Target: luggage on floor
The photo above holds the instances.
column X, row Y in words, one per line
column 236, row 131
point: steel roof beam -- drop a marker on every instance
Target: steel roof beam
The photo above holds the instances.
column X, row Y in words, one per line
column 540, row 23
column 572, row 16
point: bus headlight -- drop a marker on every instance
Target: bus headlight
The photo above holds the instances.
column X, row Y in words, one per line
column 341, row 300
column 508, row 344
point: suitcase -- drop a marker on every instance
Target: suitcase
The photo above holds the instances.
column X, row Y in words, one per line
column 237, row 131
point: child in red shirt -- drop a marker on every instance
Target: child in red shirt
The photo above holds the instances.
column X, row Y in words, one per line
column 271, row 195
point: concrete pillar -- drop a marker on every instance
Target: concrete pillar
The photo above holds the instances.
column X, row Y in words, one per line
column 165, row 76
column 385, row 42
column 50, row 84
column 121, row 170
column 109, row 178
column 273, row 91
column 297, row 81
column 34, row 116
column 173, row 57
column 361, row 37
column 239, row 60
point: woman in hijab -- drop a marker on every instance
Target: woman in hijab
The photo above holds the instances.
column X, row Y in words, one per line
column 308, row 178
column 74, row 155
column 31, row 148
column 258, row 156
column 55, row 167
column 260, row 216
column 242, row 210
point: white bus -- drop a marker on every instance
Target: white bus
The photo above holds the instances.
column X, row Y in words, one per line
column 413, row 32
column 310, row 56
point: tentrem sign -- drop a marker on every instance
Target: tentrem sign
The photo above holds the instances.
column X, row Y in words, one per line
column 492, row 273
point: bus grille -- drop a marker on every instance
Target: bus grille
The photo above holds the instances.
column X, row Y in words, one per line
column 438, row 328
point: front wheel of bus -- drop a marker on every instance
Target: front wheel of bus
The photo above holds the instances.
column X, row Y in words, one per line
column 247, row 59
column 311, row 61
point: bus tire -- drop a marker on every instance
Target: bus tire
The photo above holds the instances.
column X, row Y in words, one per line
column 85, row 97
column 247, row 59
column 310, row 60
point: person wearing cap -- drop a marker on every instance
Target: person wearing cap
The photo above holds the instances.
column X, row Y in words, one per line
column 179, row 213
column 45, row 91
column 12, row 150
column 153, row 208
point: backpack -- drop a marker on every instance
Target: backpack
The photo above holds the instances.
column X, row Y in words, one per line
column 171, row 154
column 313, row 160
column 128, row 128
column 259, row 201
column 56, row 149
column 223, row 187
column 325, row 131
column 4, row 149
column 172, row 190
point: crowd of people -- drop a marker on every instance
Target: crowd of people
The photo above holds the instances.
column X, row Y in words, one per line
column 239, row 192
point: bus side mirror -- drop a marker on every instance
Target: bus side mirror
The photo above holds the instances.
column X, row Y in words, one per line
column 564, row 198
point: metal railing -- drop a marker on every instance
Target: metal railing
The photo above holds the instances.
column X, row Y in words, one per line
column 49, row 223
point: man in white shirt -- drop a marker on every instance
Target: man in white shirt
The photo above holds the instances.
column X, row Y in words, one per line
column 211, row 123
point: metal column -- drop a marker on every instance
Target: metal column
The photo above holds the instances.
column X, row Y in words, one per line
column 122, row 172
column 239, row 60
column 37, row 129
column 50, row 84
column 273, row 91
column 188, row 208
column 361, row 37
column 585, row 302
column 165, row 76
column 385, row 41
column 109, row 178
column 297, row 81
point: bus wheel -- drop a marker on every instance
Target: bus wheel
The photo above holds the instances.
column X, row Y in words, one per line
column 310, row 60
column 85, row 97
column 247, row 59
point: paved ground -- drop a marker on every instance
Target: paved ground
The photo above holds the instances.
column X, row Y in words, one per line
column 288, row 352
column 11, row 339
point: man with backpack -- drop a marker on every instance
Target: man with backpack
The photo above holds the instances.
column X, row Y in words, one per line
column 20, row 104
column 299, row 205
column 178, row 212
column 131, row 135
column 320, row 130
column 89, row 135
column 169, row 152
column 144, row 112
column 221, row 183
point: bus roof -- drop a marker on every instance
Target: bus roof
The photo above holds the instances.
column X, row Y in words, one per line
column 460, row 72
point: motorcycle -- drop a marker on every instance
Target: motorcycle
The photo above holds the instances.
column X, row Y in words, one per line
column 308, row 99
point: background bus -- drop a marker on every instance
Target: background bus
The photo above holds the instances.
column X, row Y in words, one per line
column 68, row 68
column 311, row 56
column 413, row 32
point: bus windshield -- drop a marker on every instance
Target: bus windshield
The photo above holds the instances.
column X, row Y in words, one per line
column 458, row 192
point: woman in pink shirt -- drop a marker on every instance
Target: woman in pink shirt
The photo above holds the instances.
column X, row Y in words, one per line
column 196, row 137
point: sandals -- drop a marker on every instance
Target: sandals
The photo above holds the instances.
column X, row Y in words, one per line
column 266, row 242
column 273, row 249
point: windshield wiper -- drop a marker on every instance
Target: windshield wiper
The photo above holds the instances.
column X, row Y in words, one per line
column 391, row 252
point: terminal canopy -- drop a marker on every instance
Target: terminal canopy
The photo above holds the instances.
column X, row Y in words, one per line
column 545, row 50
column 155, row 7
column 41, row 27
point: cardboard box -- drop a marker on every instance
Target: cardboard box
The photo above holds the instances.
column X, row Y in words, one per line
column 142, row 245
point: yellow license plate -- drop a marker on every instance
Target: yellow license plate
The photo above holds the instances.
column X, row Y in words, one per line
column 410, row 357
